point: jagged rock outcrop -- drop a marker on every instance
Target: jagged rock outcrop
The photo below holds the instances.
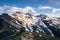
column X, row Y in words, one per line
column 14, row 24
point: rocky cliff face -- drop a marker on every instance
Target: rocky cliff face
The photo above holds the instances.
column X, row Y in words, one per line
column 12, row 24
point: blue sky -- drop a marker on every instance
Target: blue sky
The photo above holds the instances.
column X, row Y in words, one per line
column 39, row 6
column 33, row 3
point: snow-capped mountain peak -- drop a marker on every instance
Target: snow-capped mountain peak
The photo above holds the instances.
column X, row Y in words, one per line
column 33, row 23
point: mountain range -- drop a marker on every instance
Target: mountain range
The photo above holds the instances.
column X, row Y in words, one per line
column 29, row 25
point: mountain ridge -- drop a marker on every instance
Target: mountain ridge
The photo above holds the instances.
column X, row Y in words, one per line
column 29, row 22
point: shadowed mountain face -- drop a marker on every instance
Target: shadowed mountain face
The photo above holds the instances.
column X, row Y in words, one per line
column 12, row 25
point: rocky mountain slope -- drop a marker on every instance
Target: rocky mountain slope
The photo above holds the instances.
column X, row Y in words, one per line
column 13, row 24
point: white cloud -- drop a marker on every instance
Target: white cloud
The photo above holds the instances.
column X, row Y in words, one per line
column 45, row 7
column 1, row 8
column 29, row 9
column 13, row 9
column 53, row 15
column 55, row 10
column 4, row 7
